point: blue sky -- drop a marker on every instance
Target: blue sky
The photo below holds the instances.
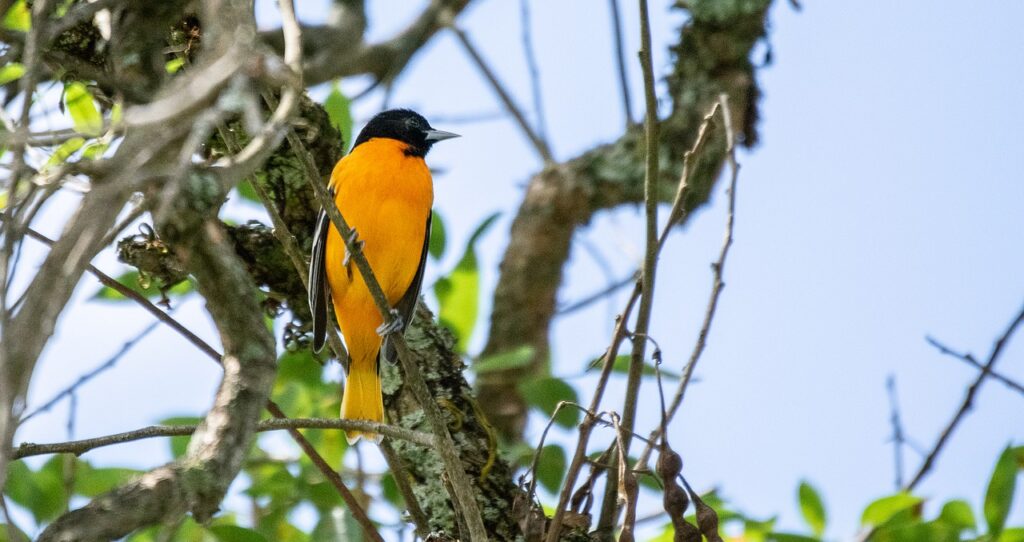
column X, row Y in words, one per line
column 882, row 205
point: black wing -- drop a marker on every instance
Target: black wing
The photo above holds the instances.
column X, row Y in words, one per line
column 319, row 296
column 407, row 305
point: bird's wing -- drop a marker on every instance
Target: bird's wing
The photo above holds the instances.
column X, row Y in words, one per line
column 407, row 305
column 319, row 295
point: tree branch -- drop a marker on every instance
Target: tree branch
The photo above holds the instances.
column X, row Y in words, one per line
column 79, row 447
column 967, row 403
column 711, row 57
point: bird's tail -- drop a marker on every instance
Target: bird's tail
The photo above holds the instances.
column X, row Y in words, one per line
column 362, row 400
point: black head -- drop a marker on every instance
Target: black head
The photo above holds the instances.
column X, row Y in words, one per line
column 406, row 126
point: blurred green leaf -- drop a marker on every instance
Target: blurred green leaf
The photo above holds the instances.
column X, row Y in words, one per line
column 20, row 535
column 438, row 237
column 458, row 294
column 180, row 443
column 234, row 533
column 511, row 359
column 339, row 112
column 11, row 72
column 1001, row 487
column 621, row 365
column 958, row 514
column 92, row 482
column 337, row 525
column 546, row 392
column 812, row 508
column 551, row 467
column 882, row 510
column 916, row 532
column 80, row 105
column 41, row 492
column 18, row 17
column 174, row 65
column 1015, row 534
column 95, row 150
column 787, row 537
column 247, row 192
column 299, row 366
column 64, row 151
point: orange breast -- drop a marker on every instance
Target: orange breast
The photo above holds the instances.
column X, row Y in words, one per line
column 386, row 196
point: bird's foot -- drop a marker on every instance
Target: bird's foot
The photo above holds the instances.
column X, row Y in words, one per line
column 352, row 239
column 394, row 326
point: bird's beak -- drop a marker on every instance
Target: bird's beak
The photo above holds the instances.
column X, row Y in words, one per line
column 433, row 136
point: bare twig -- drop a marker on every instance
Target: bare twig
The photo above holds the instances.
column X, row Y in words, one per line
column 531, row 64
column 620, row 60
column 717, row 268
column 609, row 506
column 109, row 363
column 970, row 360
column 967, row 403
column 599, row 295
column 897, row 430
column 538, row 142
column 79, row 447
column 401, row 476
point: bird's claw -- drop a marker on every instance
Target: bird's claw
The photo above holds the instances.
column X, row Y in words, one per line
column 352, row 239
column 394, row 326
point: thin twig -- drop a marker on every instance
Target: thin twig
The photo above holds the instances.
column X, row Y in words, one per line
column 968, row 401
column 79, row 447
column 539, row 144
column 109, row 363
column 897, row 430
column 531, row 66
column 609, row 506
column 598, row 295
column 970, row 360
column 401, row 476
column 146, row 304
column 620, row 60
column 717, row 269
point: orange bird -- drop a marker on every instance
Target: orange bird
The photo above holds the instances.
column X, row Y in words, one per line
column 384, row 190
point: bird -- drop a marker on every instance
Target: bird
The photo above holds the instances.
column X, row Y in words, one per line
column 384, row 190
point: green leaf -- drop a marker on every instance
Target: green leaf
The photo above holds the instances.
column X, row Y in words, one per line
column 510, row 359
column 438, row 238
column 551, row 467
column 11, row 72
column 1000, row 491
column 174, row 65
column 458, row 294
column 234, row 533
column 621, row 365
column 64, row 151
column 787, row 537
column 812, row 508
column 19, row 535
column 18, row 17
column 958, row 514
column 180, row 443
column 247, row 192
column 339, row 112
column 41, row 492
column 882, row 510
column 337, row 525
column 299, row 366
column 1016, row 534
column 546, row 392
column 95, row 150
column 82, row 108
column 92, row 482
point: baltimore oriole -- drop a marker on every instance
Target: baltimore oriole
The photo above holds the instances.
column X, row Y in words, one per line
column 384, row 190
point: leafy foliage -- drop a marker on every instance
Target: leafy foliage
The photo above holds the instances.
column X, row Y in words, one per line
column 459, row 293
